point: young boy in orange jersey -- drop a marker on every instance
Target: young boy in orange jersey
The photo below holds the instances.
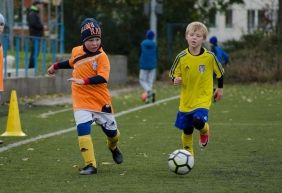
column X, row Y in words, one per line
column 2, row 23
column 90, row 94
column 193, row 70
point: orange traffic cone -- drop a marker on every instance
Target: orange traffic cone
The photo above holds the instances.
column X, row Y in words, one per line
column 13, row 124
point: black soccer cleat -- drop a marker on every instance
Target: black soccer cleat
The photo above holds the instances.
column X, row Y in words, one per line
column 153, row 97
column 88, row 170
column 117, row 155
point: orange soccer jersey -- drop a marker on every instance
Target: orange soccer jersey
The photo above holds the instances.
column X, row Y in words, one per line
column 91, row 97
column 1, row 69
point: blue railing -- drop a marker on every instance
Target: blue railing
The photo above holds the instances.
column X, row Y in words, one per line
column 17, row 51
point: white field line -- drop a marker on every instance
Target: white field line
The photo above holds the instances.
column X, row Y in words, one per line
column 45, row 115
column 23, row 142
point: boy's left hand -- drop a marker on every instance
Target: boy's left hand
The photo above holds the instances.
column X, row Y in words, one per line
column 218, row 93
column 77, row 81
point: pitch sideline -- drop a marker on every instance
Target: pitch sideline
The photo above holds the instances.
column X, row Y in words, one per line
column 27, row 141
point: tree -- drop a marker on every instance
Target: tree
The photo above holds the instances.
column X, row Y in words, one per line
column 205, row 7
column 279, row 24
column 124, row 23
column 279, row 38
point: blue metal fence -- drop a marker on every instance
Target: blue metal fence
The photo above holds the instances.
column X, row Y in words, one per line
column 20, row 47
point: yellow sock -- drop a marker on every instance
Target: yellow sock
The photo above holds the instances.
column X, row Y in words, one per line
column 187, row 142
column 205, row 129
column 87, row 149
column 112, row 141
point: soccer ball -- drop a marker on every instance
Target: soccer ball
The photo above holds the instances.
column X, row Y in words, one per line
column 144, row 96
column 181, row 161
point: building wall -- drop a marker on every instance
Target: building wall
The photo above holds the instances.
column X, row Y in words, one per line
column 240, row 19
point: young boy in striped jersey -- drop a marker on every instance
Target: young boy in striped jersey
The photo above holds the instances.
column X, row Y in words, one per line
column 90, row 94
column 193, row 70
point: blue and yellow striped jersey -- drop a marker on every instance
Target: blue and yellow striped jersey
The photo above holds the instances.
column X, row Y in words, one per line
column 197, row 78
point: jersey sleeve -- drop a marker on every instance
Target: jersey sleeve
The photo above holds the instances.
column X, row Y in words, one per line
column 103, row 68
column 217, row 68
column 73, row 53
column 175, row 70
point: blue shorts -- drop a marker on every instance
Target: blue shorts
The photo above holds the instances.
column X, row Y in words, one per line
column 185, row 120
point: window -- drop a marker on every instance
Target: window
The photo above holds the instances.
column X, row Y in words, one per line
column 228, row 18
column 251, row 20
column 212, row 18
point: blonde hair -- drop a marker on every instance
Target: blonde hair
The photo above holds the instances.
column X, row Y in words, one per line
column 197, row 26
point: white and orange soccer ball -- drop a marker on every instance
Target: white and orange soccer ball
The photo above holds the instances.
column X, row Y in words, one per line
column 180, row 161
column 144, row 96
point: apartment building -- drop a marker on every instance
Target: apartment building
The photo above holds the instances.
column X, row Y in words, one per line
column 244, row 18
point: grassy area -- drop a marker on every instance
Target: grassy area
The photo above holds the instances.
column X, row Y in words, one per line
column 244, row 154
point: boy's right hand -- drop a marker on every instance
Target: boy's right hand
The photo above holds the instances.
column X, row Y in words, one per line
column 177, row 81
column 51, row 70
